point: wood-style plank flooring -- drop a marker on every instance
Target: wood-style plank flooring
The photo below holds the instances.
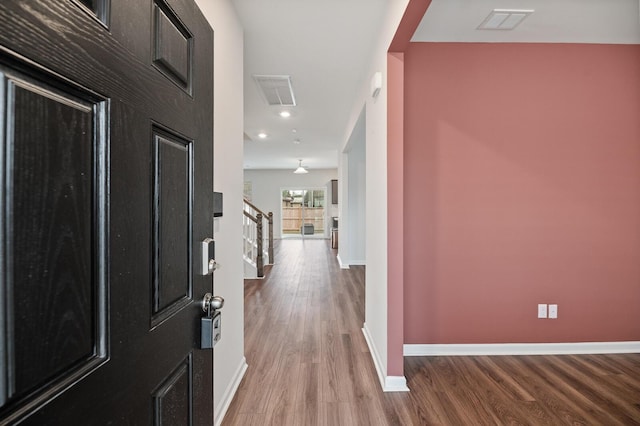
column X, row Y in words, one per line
column 309, row 365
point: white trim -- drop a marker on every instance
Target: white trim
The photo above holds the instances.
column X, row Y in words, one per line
column 395, row 384
column 342, row 265
column 388, row 383
column 522, row 349
column 230, row 392
column 377, row 362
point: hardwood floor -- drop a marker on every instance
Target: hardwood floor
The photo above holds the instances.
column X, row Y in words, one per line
column 309, row 365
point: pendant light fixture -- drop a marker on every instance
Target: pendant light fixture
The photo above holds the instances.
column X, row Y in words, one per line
column 300, row 169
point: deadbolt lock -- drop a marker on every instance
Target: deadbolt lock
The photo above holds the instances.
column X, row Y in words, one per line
column 209, row 263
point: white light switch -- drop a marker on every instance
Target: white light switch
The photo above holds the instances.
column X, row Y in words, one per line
column 553, row 311
column 542, row 310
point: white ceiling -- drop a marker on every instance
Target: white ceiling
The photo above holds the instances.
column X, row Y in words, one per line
column 326, row 47
column 553, row 21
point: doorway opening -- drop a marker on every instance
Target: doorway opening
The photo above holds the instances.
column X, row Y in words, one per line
column 303, row 212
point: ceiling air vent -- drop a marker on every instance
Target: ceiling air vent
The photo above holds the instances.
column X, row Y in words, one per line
column 276, row 89
column 504, row 19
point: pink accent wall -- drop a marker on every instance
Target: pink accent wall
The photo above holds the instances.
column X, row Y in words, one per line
column 395, row 214
column 521, row 186
column 411, row 18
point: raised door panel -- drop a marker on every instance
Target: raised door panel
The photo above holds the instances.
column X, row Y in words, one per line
column 173, row 195
column 52, row 253
column 172, row 42
column 173, row 399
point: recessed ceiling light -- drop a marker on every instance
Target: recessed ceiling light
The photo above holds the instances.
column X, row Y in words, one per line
column 262, row 135
column 294, row 130
column 285, row 114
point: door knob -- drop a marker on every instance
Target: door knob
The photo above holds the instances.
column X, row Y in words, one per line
column 212, row 303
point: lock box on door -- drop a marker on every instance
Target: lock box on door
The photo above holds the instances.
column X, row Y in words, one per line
column 210, row 332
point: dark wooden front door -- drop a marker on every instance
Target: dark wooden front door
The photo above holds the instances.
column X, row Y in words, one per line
column 106, row 158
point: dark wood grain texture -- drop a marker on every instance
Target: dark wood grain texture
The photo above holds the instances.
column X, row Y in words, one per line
column 54, row 226
column 172, row 207
column 93, row 224
column 172, row 46
column 309, row 365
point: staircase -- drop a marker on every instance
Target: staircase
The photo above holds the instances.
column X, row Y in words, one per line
column 257, row 247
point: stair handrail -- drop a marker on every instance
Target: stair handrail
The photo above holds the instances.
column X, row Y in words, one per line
column 250, row 216
column 253, row 206
column 258, row 221
column 269, row 217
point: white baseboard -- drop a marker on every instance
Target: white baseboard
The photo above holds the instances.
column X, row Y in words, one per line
column 230, row 392
column 345, row 265
column 388, row 383
column 522, row 349
column 377, row 362
column 395, row 384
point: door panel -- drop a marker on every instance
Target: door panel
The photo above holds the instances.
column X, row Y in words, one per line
column 173, row 194
column 51, row 235
column 172, row 53
column 173, row 399
column 99, row 8
column 101, row 211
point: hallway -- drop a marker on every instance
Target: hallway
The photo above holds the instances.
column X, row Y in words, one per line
column 308, row 359
column 309, row 364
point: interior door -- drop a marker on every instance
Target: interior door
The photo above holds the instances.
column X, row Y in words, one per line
column 106, row 173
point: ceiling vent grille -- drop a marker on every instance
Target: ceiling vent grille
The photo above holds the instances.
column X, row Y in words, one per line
column 276, row 89
column 504, row 19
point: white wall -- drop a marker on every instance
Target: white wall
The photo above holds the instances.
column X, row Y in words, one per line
column 266, row 185
column 357, row 193
column 229, row 361
column 344, row 250
column 352, row 206
column 376, row 311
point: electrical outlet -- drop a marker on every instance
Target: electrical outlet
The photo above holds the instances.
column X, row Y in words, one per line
column 542, row 310
column 553, row 311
